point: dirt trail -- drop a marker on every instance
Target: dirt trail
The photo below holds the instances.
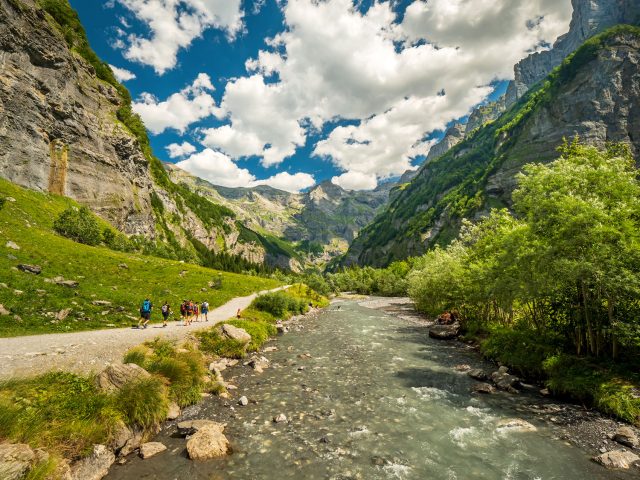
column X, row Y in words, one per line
column 84, row 352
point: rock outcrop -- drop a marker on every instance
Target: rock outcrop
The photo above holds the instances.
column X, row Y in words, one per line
column 235, row 333
column 94, row 467
column 588, row 19
column 114, row 377
column 619, row 459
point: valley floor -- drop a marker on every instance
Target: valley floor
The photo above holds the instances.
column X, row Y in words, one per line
column 84, row 352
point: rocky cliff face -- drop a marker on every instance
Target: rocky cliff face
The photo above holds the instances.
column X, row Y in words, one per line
column 596, row 96
column 58, row 131
column 588, row 19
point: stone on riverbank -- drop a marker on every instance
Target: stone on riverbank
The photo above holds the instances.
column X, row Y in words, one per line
column 15, row 460
column 174, row 411
column 244, row 401
column 617, row 459
column 505, row 381
column 149, row 449
column 626, row 436
column 207, row 443
column 477, row 374
column 115, row 376
column 444, row 332
column 235, row 333
column 280, row 418
column 190, row 427
column 94, row 467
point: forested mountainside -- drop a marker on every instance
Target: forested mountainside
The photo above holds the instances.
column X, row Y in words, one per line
column 594, row 94
column 320, row 223
column 67, row 128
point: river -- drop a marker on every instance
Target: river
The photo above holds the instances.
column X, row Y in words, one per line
column 375, row 398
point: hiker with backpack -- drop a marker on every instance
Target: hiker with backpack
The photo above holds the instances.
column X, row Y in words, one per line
column 196, row 311
column 165, row 309
column 145, row 313
column 204, row 309
column 183, row 312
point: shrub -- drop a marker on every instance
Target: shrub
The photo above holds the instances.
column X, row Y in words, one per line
column 279, row 304
column 143, row 403
column 137, row 355
column 79, row 225
column 213, row 343
column 116, row 240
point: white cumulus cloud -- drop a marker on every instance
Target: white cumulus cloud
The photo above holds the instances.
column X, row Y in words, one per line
column 219, row 169
column 398, row 80
column 177, row 150
column 122, row 74
column 354, row 180
column 173, row 25
column 181, row 109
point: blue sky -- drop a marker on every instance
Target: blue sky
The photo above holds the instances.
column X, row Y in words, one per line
column 294, row 93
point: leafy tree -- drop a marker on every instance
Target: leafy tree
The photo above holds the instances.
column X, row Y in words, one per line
column 79, row 225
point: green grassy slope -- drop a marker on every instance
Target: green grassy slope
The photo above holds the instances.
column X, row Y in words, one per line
column 28, row 221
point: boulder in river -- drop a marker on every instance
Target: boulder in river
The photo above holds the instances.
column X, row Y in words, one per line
column 207, row 443
column 477, row 374
column 626, row 436
column 190, row 427
column 617, row 459
column 235, row 333
column 444, row 332
column 515, row 425
column 280, row 418
column 149, row 449
column 94, row 467
column 244, row 401
column 486, row 388
column 115, row 376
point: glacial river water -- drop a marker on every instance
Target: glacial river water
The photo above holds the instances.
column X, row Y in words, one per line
column 375, row 399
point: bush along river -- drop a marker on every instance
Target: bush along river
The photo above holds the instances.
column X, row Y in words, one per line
column 367, row 395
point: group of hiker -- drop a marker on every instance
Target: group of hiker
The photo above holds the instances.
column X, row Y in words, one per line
column 190, row 311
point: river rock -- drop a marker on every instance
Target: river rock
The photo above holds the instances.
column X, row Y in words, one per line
column 149, row 449
column 3, row 310
column 173, row 411
column 617, row 459
column 444, row 332
column 244, row 401
column 477, row 374
column 207, row 443
column 258, row 363
column 16, row 460
column 190, row 427
column 115, row 376
column 626, row 436
column 35, row 269
column 235, row 333
column 94, row 467
column 505, row 381
column 483, row 388
column 515, row 425
column 280, row 418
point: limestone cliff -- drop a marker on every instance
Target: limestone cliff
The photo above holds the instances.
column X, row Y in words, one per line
column 58, row 127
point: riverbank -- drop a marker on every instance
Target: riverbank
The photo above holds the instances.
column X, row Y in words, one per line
column 361, row 394
column 63, row 425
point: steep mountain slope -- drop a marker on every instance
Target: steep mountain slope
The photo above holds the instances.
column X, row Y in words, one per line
column 589, row 18
column 594, row 94
column 67, row 128
column 321, row 223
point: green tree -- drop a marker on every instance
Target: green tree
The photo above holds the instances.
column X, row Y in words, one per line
column 79, row 225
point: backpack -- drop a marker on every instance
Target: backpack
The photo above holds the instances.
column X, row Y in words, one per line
column 146, row 306
column 165, row 308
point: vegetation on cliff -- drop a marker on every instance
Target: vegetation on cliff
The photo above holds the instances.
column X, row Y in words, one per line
column 554, row 286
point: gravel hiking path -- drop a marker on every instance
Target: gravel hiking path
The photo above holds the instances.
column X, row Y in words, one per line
column 91, row 351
